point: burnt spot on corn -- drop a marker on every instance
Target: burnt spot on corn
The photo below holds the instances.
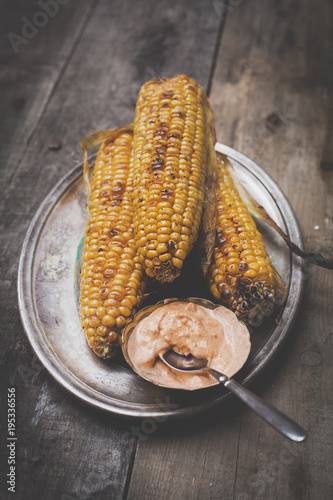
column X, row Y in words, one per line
column 105, row 347
column 157, row 163
column 115, row 202
column 104, row 292
column 229, row 279
column 172, row 246
column 166, row 194
column 179, row 114
column 160, row 149
column 118, row 189
column 168, row 94
column 174, row 135
column 225, row 294
column 220, row 238
column 253, row 303
column 161, row 132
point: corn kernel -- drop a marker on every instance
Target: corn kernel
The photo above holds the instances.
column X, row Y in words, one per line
column 120, row 322
column 178, row 263
column 125, row 311
column 90, row 332
column 102, row 330
column 100, row 312
column 180, row 254
column 151, row 254
column 165, row 256
column 108, row 320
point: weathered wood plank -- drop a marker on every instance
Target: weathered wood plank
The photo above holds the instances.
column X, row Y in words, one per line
column 102, row 92
column 189, row 459
column 272, row 95
column 66, row 450
column 29, row 75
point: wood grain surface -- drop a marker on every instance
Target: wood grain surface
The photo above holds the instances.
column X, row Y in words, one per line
column 79, row 73
column 268, row 67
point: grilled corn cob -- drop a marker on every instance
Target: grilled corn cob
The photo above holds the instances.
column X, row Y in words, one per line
column 241, row 275
column 173, row 142
column 112, row 279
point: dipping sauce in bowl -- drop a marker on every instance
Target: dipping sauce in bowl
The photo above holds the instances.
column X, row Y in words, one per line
column 190, row 326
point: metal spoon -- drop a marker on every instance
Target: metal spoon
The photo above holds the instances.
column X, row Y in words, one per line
column 271, row 415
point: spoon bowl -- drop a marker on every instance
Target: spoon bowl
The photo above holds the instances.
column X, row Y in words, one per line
column 183, row 363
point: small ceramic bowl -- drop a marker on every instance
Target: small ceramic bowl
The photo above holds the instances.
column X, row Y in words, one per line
column 157, row 372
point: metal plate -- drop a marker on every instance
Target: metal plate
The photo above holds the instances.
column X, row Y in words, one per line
column 48, row 302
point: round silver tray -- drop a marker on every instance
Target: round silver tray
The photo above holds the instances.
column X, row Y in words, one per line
column 48, row 302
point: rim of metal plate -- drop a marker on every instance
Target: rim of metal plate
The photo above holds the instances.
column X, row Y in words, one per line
column 80, row 390
column 296, row 286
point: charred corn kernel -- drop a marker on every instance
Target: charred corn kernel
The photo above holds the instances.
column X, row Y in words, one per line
column 112, row 278
column 241, row 275
column 172, row 145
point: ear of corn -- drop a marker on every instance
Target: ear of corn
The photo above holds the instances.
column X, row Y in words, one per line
column 145, row 210
column 241, row 275
column 112, row 279
column 172, row 137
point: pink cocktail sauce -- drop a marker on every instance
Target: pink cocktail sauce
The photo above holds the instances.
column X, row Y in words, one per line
column 216, row 335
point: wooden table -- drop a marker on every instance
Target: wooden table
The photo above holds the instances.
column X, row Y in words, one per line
column 268, row 68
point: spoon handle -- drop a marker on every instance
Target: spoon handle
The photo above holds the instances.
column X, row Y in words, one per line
column 271, row 415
